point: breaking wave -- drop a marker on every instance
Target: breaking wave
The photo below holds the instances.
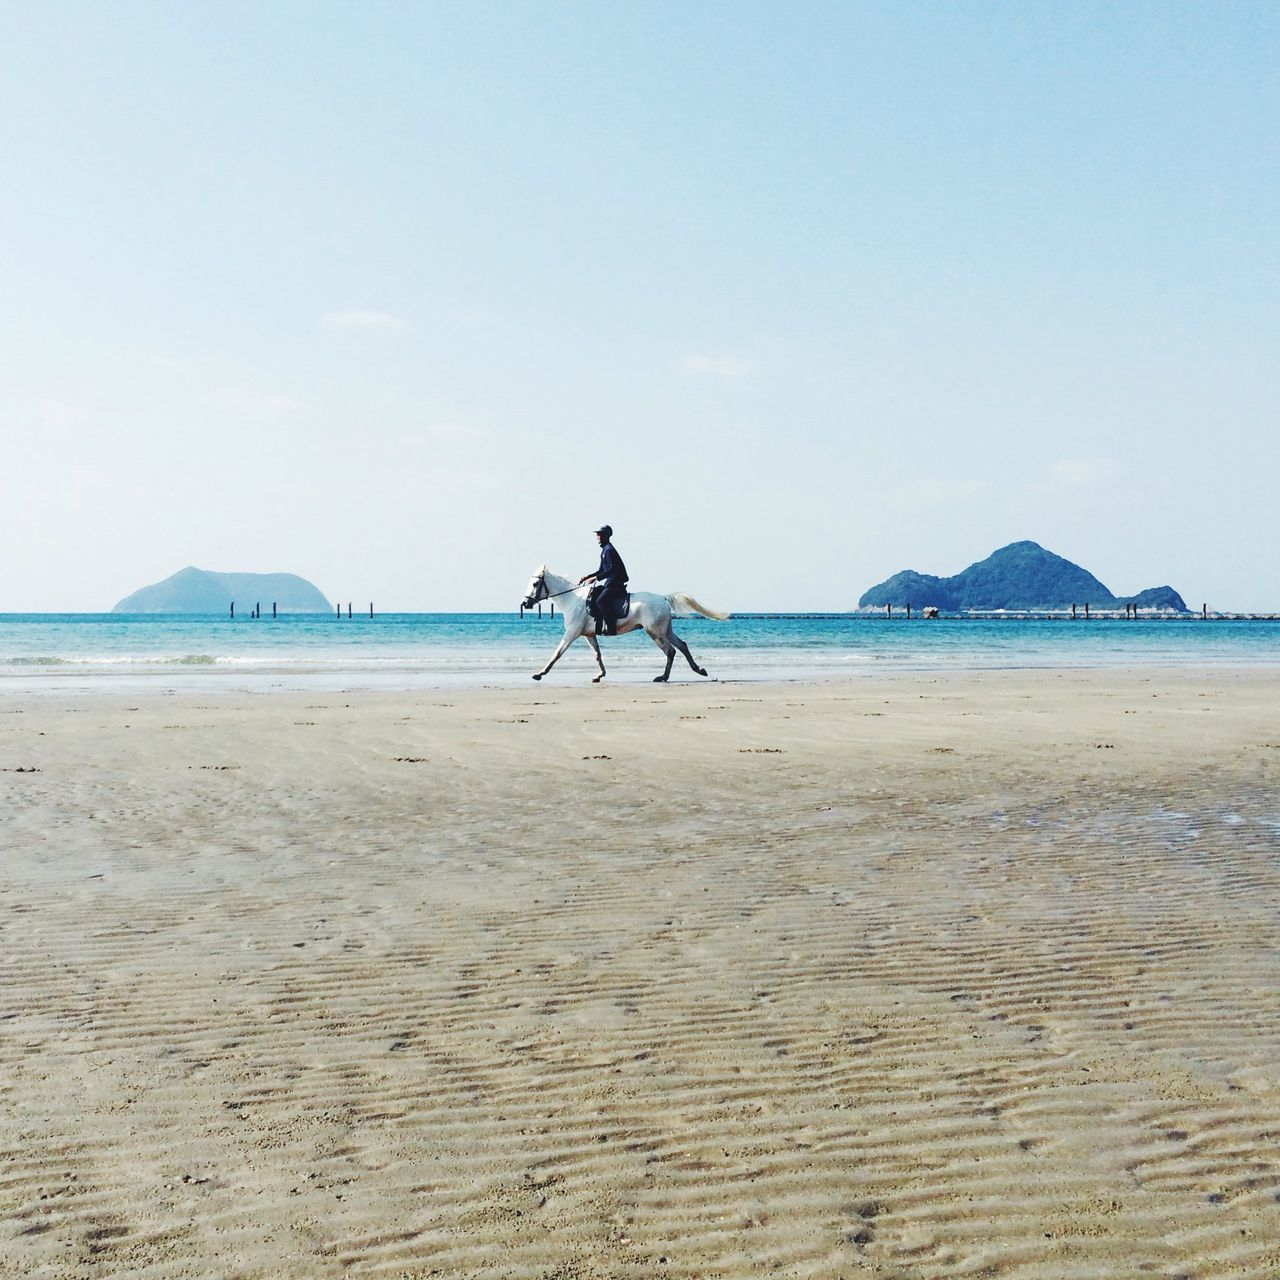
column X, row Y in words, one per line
column 114, row 660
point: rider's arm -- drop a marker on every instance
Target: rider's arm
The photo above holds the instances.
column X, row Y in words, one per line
column 608, row 561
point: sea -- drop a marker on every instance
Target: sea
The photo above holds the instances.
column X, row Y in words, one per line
column 117, row 652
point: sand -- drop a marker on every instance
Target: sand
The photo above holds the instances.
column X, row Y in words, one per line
column 968, row 976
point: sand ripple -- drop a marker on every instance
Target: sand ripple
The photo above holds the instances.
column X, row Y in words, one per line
column 853, row 1005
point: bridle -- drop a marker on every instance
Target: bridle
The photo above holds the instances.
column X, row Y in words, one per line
column 540, row 583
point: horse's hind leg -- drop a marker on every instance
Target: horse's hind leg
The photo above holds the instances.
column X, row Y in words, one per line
column 668, row 648
column 595, row 648
column 684, row 648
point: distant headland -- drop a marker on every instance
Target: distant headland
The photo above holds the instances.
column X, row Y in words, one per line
column 1021, row 576
column 192, row 590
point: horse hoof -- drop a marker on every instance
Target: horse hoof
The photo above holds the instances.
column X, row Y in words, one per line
column 537, row 675
column 702, row 671
column 659, row 679
column 596, row 679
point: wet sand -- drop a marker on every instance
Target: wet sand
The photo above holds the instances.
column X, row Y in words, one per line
column 966, row 976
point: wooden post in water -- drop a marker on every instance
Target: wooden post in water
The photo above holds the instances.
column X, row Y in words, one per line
column 1073, row 613
column 1086, row 609
column 1204, row 612
column 370, row 608
column 908, row 610
column 273, row 608
column 233, row 608
column 553, row 608
column 539, row 609
column 888, row 611
column 339, row 611
column 348, row 610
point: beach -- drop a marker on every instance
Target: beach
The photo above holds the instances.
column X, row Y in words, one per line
column 931, row 974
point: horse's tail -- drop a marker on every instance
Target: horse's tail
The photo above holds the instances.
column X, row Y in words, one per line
column 683, row 600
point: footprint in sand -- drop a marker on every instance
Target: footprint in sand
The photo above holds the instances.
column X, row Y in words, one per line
column 863, row 1229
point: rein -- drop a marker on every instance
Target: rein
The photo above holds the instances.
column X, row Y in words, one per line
column 567, row 591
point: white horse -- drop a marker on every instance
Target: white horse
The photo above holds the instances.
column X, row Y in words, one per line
column 649, row 611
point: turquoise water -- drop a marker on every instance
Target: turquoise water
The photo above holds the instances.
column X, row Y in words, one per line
column 61, row 651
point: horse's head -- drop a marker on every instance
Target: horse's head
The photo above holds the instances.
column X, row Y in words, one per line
column 537, row 591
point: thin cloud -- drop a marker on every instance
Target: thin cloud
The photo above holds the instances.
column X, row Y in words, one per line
column 445, row 433
column 360, row 318
column 282, row 406
column 271, row 406
column 936, row 491
column 701, row 365
column 57, row 415
column 1074, row 473
column 1082, row 471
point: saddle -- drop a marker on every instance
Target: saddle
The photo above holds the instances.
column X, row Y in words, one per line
column 609, row 625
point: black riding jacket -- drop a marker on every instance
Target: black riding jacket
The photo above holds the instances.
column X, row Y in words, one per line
column 612, row 573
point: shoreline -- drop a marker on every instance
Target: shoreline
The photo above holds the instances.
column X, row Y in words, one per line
column 229, row 680
column 448, row 652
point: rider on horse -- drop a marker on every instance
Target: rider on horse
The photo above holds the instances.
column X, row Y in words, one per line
column 608, row 594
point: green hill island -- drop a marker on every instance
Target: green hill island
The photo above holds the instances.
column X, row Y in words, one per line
column 193, row 590
column 1022, row 576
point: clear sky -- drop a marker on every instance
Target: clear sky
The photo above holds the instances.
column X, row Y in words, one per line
column 408, row 298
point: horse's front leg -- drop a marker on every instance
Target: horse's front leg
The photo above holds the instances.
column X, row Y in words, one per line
column 569, row 638
column 595, row 648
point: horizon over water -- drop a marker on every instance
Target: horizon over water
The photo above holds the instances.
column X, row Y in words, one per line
column 107, row 652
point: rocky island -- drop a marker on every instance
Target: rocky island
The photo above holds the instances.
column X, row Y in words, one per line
column 1021, row 576
column 193, row 590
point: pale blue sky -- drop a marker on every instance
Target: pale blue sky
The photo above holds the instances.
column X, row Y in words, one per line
column 408, row 298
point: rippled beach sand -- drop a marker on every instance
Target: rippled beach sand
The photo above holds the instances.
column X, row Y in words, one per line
column 967, row 976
